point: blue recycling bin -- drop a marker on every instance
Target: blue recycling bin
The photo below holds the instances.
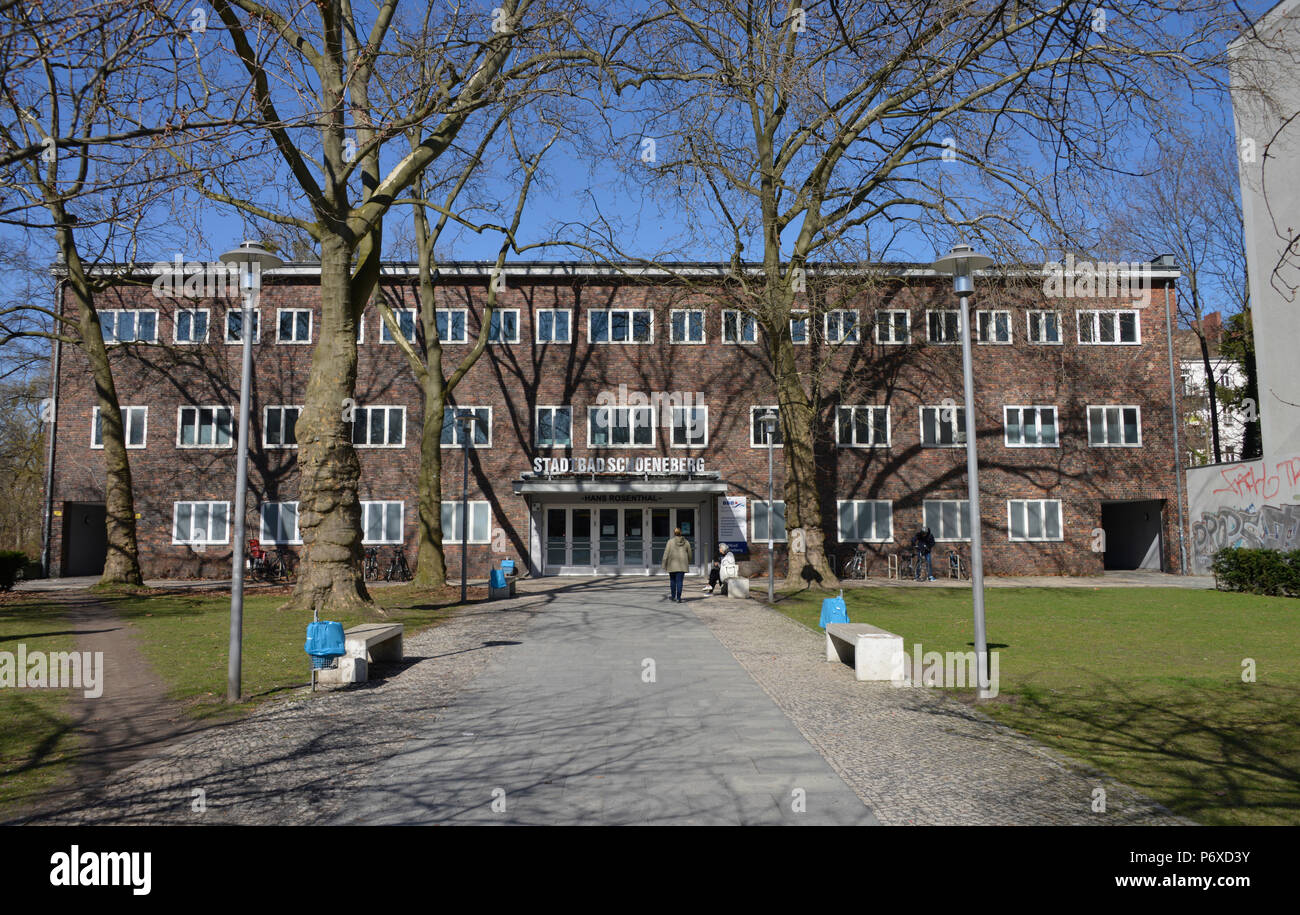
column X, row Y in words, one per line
column 834, row 610
column 497, row 579
column 507, row 567
column 324, row 643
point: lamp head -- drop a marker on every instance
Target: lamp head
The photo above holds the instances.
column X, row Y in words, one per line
column 962, row 262
column 251, row 258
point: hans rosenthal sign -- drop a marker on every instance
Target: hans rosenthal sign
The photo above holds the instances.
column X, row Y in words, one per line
column 652, row 465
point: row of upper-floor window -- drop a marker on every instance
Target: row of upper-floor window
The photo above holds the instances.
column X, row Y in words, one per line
column 857, row 521
column 855, row 426
column 637, row 326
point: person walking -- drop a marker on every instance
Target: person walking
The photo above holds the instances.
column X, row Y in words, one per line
column 677, row 559
column 923, row 543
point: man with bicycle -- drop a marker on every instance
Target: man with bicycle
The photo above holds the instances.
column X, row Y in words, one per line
column 923, row 544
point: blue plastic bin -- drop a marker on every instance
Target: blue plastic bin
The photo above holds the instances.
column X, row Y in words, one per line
column 497, row 579
column 834, row 610
column 324, row 643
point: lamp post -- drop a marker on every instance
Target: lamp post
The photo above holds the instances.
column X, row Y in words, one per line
column 465, row 420
column 769, row 427
column 961, row 262
column 251, row 259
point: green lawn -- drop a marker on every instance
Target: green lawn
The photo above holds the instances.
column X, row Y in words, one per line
column 1144, row 683
column 186, row 638
column 35, row 738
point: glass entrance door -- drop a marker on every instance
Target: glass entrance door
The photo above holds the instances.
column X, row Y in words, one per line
column 618, row 544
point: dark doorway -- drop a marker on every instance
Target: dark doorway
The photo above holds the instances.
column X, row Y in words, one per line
column 85, row 540
column 1134, row 534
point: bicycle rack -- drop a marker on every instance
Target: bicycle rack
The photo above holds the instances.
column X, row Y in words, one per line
column 893, row 567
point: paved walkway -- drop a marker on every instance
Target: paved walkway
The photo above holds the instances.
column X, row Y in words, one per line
column 545, row 705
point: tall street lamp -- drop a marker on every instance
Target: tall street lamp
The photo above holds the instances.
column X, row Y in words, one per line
column 769, row 427
column 251, row 259
column 961, row 262
column 465, row 419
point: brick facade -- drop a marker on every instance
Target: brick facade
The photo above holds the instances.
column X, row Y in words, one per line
column 514, row 378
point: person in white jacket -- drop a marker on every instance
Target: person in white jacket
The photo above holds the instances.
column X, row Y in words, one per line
column 724, row 567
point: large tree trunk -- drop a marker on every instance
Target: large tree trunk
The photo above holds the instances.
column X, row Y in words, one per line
column 122, row 560
column 431, row 572
column 329, row 511
column 808, row 567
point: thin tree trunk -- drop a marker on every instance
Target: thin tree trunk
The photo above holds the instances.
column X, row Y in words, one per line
column 431, row 571
column 1212, row 388
column 122, row 560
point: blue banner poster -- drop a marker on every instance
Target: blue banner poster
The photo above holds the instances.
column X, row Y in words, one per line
column 732, row 522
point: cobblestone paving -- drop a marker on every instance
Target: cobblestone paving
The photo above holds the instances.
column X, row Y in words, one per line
column 296, row 761
column 914, row 756
column 910, row 756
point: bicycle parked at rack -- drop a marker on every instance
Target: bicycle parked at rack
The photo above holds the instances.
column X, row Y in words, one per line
column 277, row 566
column 956, row 567
column 398, row 570
column 856, row 565
column 370, row 563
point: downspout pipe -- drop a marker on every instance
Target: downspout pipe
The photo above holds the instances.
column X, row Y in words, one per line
column 53, row 413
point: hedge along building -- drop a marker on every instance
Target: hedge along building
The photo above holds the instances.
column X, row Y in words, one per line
column 616, row 403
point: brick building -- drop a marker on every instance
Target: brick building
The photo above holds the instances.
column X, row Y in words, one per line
column 617, row 404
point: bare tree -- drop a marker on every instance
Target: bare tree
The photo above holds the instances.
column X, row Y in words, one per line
column 844, row 130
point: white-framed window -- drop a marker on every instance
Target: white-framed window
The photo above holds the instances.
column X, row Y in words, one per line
column 799, row 326
column 293, row 325
column 130, row 325
column 1043, row 326
column 686, row 326
column 1030, row 427
column 690, row 427
column 361, row 328
column 554, row 427
column 943, row 426
column 1034, row 519
column 862, row 426
column 620, row 427
column 554, row 325
column 893, row 326
column 1110, row 327
column 1119, row 426
column 200, row 522
column 190, row 325
column 205, row 427
column 759, row 524
column 480, row 523
column 739, row 327
column 503, row 326
column 841, row 325
column 280, row 523
column 947, row 519
column 451, row 323
column 992, row 327
column 620, row 325
column 865, row 520
column 943, row 325
column 453, row 431
column 135, row 423
column 381, row 522
column 379, row 427
column 280, row 427
column 235, row 321
column 405, row 320
column 758, row 432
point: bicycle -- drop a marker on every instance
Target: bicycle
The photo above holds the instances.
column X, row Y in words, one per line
column 269, row 567
column 956, row 568
column 370, row 564
column 398, row 569
column 906, row 565
column 856, row 565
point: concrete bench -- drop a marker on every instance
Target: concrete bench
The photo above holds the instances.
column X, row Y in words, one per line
column 364, row 644
column 738, row 587
column 874, row 653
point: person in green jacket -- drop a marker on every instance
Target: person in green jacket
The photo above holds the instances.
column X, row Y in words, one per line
column 677, row 559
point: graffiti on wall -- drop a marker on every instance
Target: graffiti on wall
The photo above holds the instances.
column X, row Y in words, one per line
column 1272, row 527
column 1254, row 481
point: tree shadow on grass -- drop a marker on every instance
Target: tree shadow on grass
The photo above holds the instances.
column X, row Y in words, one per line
column 1221, row 753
